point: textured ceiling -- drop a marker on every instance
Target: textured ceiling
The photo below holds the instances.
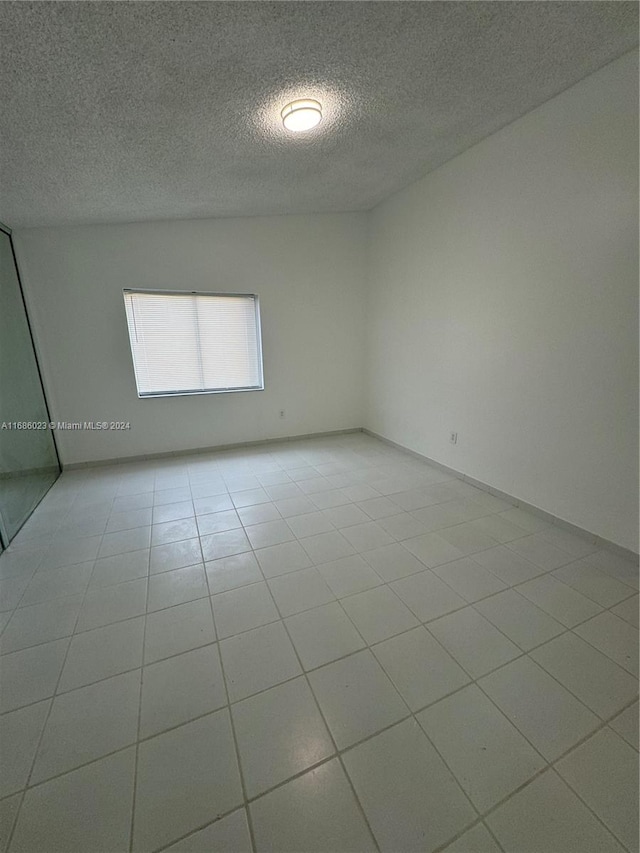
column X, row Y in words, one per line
column 121, row 111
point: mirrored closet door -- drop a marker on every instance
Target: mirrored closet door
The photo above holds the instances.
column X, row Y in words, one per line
column 29, row 462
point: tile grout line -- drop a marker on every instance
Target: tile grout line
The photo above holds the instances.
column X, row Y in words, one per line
column 468, row 603
column 413, row 714
column 383, row 583
column 497, row 543
column 336, row 752
column 480, row 822
column 603, row 721
column 234, row 736
column 410, row 716
column 549, row 764
column 140, row 689
column 368, row 647
column 603, row 725
column 193, row 832
column 586, row 804
column 424, row 624
column 52, row 699
column 401, row 542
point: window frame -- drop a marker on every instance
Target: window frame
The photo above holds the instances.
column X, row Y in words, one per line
column 157, row 292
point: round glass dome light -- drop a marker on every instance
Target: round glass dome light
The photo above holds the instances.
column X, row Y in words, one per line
column 302, row 115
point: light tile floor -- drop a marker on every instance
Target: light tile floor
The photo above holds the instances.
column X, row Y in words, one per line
column 322, row 645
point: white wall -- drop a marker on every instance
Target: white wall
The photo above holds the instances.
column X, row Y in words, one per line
column 308, row 272
column 503, row 304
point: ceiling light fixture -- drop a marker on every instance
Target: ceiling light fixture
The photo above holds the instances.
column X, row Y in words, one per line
column 302, row 115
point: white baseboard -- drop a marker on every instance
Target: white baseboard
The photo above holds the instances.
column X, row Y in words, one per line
column 217, row 448
column 600, row 541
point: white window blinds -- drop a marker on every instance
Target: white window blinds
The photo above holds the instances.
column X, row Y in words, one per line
column 190, row 343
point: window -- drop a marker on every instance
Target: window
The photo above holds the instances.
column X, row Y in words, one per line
column 194, row 343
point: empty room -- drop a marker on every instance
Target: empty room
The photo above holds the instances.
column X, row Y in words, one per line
column 319, row 427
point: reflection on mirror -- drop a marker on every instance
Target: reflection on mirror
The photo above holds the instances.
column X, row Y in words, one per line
column 28, row 460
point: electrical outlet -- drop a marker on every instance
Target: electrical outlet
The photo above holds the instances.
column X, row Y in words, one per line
column 453, row 437
column 281, row 414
